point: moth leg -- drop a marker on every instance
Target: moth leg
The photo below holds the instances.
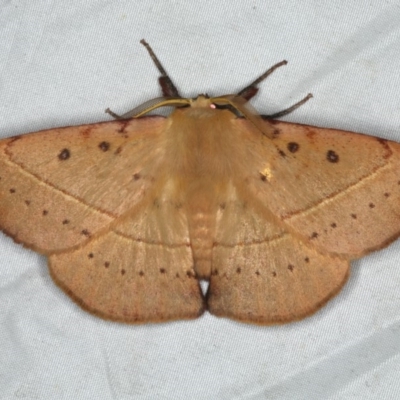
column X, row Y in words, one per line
column 289, row 109
column 167, row 86
column 251, row 90
column 112, row 113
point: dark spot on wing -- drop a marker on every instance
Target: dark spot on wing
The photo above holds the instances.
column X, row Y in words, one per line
column 45, row 212
column 64, row 154
column 123, row 272
column 371, row 205
column 354, row 216
column 162, row 271
column 136, row 176
column 104, row 146
column 238, row 270
column 86, row 132
column 65, row 222
column 90, row 255
column 290, row 267
column 106, row 264
column 332, row 157
column 314, row 235
column 276, row 132
column 273, row 274
column 310, row 133
column 333, row 225
column 293, row 147
column 122, row 126
column 281, row 153
column 307, row 260
column 85, row 232
column 263, row 177
column 12, row 190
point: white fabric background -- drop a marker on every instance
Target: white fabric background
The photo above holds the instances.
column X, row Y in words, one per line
column 64, row 62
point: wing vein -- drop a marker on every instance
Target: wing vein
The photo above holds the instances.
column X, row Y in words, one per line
column 337, row 195
column 70, row 196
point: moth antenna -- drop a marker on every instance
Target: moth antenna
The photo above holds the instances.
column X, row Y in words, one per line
column 249, row 91
column 167, row 86
column 289, row 109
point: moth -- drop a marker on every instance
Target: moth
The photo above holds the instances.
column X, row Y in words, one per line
column 133, row 213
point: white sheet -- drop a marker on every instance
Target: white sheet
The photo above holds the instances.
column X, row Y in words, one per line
column 63, row 63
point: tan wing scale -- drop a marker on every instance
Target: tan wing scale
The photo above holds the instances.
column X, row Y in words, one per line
column 337, row 190
column 139, row 272
column 59, row 187
column 262, row 274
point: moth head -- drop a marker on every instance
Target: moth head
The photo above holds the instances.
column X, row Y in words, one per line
column 229, row 101
column 236, row 103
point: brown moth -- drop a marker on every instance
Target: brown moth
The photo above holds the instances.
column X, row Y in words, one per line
column 133, row 213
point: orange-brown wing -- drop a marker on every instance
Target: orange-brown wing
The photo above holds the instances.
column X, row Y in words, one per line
column 140, row 271
column 338, row 191
column 263, row 274
column 61, row 186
